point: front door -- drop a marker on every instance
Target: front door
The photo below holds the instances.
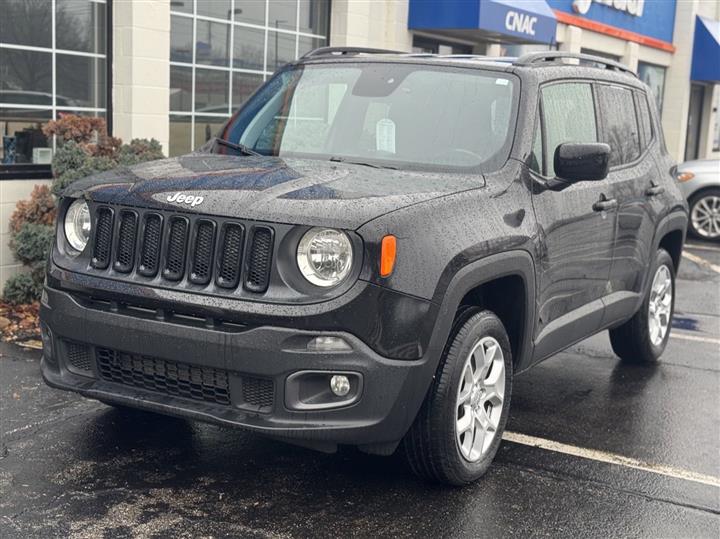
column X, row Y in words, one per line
column 576, row 226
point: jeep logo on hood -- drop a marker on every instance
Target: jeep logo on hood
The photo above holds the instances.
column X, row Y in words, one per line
column 185, row 199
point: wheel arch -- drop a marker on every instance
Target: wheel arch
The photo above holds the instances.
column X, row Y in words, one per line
column 501, row 283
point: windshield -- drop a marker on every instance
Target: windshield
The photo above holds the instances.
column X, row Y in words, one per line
column 381, row 114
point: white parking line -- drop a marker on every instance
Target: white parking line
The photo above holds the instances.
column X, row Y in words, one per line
column 701, row 261
column 611, row 458
column 702, row 247
column 676, row 335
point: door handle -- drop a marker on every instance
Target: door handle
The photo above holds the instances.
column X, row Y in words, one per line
column 604, row 204
column 654, row 190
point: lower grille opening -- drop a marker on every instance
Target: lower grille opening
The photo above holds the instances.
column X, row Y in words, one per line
column 169, row 377
column 78, row 355
column 258, row 391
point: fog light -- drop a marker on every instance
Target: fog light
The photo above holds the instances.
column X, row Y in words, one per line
column 328, row 344
column 340, row 385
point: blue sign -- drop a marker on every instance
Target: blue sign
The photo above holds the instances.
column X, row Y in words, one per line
column 652, row 18
column 530, row 21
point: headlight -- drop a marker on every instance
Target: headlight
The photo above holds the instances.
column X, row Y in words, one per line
column 685, row 176
column 325, row 256
column 77, row 225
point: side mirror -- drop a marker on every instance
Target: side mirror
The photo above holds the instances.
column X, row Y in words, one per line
column 578, row 162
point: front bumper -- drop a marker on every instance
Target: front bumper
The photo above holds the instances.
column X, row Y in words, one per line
column 391, row 393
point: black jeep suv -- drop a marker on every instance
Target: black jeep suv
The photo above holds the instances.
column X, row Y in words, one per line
column 370, row 250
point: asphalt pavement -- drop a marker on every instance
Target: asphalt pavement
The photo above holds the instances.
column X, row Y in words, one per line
column 594, row 448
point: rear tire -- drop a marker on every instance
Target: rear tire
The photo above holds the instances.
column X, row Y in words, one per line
column 642, row 339
column 459, row 427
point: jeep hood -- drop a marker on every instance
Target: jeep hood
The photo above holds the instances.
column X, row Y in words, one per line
column 306, row 192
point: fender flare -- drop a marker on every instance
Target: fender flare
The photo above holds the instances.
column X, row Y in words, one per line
column 510, row 263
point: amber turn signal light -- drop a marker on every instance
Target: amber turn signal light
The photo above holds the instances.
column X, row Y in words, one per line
column 387, row 255
column 685, row 176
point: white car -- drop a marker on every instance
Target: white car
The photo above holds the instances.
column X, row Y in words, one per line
column 700, row 183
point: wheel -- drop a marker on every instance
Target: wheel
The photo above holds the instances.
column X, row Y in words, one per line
column 643, row 338
column 459, row 427
column 705, row 215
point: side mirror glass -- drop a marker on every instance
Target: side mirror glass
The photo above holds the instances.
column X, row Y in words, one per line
column 578, row 162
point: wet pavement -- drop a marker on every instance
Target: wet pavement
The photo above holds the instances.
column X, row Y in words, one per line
column 74, row 467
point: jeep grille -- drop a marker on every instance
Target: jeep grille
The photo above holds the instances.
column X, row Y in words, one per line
column 174, row 248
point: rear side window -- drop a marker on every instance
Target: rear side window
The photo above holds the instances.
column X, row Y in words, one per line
column 569, row 116
column 644, row 117
column 620, row 127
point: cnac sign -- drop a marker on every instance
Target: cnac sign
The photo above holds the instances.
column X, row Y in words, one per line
column 520, row 22
column 633, row 7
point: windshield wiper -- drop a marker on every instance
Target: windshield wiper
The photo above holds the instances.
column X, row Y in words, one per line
column 363, row 163
column 239, row 147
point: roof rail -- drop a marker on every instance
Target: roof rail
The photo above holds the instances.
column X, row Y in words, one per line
column 344, row 51
column 535, row 58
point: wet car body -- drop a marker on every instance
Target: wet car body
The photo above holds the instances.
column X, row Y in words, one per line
column 553, row 267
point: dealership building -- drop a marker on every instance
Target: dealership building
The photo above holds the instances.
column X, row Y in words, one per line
column 175, row 70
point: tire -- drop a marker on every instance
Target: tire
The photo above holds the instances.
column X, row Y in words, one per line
column 636, row 341
column 704, row 220
column 432, row 445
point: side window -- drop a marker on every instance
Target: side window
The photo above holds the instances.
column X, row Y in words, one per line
column 569, row 116
column 536, row 157
column 644, row 117
column 620, row 127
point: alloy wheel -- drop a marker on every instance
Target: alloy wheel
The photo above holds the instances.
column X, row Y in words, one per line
column 660, row 305
column 481, row 393
column 705, row 217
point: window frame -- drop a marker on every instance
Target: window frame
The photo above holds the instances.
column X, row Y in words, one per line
column 28, row 171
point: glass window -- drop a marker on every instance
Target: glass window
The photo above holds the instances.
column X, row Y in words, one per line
column 306, row 44
column 620, row 128
column 211, row 91
column 314, row 17
column 212, row 45
column 80, row 25
column 25, row 77
column 395, row 115
column 21, row 131
column 215, row 66
column 653, row 76
column 181, row 39
column 29, row 96
column 207, row 127
column 182, row 6
column 569, row 116
column 180, row 88
column 219, row 9
column 26, row 23
column 282, row 14
column 249, row 49
column 280, row 49
column 180, row 135
column 81, row 80
column 250, row 11
column 645, row 120
column 244, row 85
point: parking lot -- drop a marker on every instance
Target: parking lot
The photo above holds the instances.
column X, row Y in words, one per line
column 593, row 448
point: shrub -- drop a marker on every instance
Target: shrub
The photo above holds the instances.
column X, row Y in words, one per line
column 79, row 129
column 40, row 209
column 22, row 288
column 139, row 150
column 31, row 244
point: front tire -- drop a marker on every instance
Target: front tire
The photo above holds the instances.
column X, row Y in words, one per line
column 459, row 427
column 642, row 339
